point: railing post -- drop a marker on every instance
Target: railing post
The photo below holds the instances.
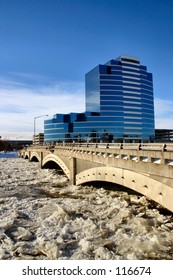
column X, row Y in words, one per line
column 72, row 170
column 163, row 147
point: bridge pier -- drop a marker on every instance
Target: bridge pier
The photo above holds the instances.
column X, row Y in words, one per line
column 72, row 168
column 41, row 159
column 30, row 155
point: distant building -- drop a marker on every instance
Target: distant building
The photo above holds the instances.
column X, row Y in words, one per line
column 8, row 145
column 38, row 139
column 164, row 135
column 119, row 106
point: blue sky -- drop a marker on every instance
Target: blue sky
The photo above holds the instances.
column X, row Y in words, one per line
column 47, row 47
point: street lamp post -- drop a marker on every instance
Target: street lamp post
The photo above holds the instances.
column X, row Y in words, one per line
column 35, row 125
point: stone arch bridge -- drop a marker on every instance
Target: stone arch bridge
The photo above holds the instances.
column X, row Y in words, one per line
column 144, row 168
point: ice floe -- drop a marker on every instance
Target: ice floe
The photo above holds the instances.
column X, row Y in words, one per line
column 42, row 216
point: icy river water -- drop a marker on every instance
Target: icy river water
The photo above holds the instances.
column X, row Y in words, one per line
column 42, row 216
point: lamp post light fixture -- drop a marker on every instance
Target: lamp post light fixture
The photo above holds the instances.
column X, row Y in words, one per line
column 35, row 125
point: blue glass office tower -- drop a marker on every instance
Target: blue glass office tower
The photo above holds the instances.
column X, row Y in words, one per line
column 119, row 106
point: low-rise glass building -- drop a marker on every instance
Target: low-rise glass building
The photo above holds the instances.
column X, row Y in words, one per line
column 119, row 106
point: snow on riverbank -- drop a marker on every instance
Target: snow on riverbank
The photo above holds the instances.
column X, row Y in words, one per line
column 43, row 217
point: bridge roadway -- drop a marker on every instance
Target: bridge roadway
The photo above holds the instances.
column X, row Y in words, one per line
column 144, row 168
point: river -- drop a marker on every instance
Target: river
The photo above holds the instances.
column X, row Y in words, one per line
column 42, row 216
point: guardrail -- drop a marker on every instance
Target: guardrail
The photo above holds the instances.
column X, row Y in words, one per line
column 125, row 146
column 164, row 147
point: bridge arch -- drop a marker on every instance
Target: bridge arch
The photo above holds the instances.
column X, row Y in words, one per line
column 25, row 155
column 58, row 161
column 149, row 186
column 35, row 157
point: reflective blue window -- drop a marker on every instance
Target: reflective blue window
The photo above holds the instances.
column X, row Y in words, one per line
column 109, row 82
column 117, row 87
column 111, row 93
column 111, row 77
column 92, row 90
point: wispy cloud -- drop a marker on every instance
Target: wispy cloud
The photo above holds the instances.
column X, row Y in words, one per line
column 164, row 113
column 20, row 103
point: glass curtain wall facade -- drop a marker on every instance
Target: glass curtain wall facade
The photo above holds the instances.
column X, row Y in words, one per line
column 119, row 106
